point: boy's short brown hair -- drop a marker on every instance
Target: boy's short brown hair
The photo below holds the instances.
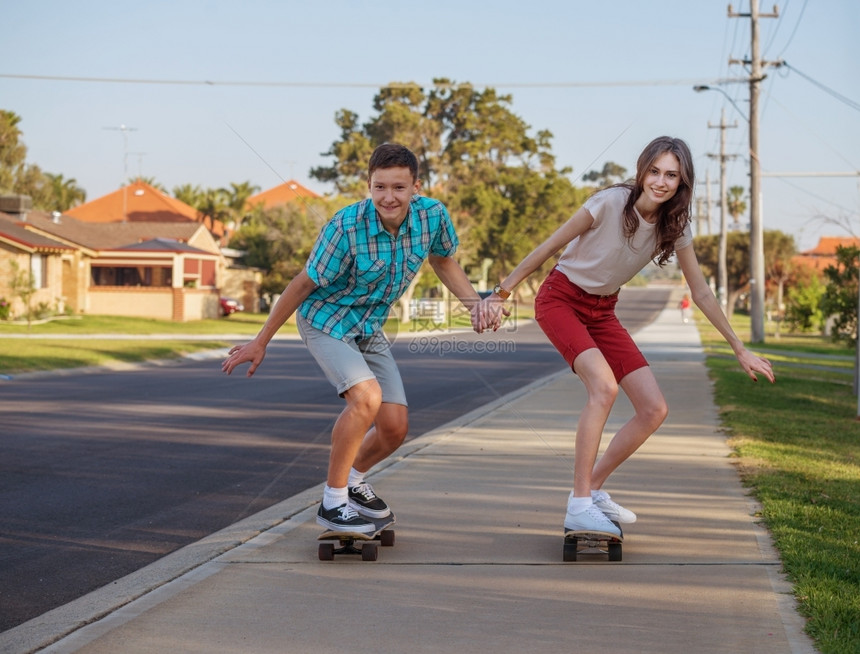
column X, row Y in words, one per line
column 393, row 155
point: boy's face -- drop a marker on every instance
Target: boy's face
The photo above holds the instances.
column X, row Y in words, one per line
column 391, row 190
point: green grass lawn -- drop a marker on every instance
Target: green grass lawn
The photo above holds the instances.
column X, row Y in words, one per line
column 797, row 445
column 44, row 349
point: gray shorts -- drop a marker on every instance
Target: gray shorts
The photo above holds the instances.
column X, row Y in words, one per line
column 346, row 363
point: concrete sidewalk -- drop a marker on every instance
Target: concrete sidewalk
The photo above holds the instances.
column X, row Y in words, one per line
column 477, row 566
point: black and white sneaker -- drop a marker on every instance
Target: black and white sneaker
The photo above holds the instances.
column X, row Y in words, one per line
column 344, row 518
column 365, row 501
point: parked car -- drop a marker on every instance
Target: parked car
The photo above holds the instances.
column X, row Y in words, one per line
column 230, row 306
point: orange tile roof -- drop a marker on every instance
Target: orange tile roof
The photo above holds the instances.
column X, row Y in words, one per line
column 823, row 255
column 142, row 203
column 827, row 245
column 290, row 191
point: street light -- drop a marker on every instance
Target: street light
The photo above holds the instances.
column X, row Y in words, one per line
column 704, row 87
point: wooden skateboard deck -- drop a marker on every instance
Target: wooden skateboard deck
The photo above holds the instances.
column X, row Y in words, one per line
column 592, row 542
column 357, row 543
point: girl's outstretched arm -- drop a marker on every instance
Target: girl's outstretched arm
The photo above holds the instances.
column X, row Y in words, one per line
column 705, row 300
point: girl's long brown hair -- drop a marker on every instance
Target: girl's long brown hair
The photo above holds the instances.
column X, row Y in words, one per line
column 673, row 215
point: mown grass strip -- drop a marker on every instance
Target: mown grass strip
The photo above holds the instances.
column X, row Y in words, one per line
column 797, row 445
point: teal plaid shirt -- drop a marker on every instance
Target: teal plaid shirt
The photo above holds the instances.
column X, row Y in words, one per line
column 361, row 270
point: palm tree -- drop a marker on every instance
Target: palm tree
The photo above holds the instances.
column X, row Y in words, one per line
column 64, row 193
column 190, row 195
column 736, row 203
column 239, row 195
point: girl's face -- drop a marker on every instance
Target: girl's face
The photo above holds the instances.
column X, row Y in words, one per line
column 662, row 179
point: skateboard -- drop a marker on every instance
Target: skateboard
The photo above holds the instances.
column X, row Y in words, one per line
column 352, row 542
column 592, row 542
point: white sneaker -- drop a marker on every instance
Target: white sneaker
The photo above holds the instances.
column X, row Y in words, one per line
column 613, row 510
column 592, row 519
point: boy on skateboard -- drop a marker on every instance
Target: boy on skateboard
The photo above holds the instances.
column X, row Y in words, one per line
column 362, row 262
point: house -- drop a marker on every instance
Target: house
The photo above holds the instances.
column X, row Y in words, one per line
column 49, row 261
column 823, row 255
column 285, row 193
column 141, row 202
column 166, row 270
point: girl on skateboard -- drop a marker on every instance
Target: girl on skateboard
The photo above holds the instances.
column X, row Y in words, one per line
column 606, row 243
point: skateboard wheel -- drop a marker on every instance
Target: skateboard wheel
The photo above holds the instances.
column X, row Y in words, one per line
column 570, row 552
column 614, row 551
column 369, row 552
column 386, row 538
column 326, row 551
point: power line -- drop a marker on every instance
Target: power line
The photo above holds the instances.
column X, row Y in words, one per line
column 826, row 89
column 394, row 85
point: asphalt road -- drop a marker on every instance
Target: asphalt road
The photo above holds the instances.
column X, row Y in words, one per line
column 102, row 473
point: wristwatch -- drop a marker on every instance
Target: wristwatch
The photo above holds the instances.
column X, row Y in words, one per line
column 502, row 293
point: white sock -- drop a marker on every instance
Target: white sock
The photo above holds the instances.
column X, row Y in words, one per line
column 578, row 504
column 334, row 497
column 355, row 477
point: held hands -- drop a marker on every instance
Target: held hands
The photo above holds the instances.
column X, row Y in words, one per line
column 753, row 364
column 239, row 354
column 488, row 313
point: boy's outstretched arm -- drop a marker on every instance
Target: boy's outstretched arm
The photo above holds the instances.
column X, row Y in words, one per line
column 255, row 350
column 452, row 275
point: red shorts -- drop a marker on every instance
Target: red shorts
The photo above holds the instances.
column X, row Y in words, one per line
column 576, row 321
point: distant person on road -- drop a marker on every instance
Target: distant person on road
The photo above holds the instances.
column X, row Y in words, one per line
column 362, row 262
column 606, row 243
column 684, row 305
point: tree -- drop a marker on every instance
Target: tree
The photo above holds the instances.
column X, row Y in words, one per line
column 48, row 192
column 65, row 193
column 279, row 240
column 611, row 174
column 12, row 151
column 840, row 295
column 803, row 307
column 238, row 199
column 736, row 203
column 23, row 286
column 190, row 195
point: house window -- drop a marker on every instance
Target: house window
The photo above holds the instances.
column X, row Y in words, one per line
column 131, row 276
column 39, row 271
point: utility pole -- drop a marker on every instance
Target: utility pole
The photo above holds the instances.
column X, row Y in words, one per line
column 757, row 278
column 722, row 272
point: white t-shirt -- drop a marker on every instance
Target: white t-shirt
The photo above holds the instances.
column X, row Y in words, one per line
column 602, row 259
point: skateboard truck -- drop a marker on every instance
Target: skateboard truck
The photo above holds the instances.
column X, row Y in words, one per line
column 592, row 542
column 357, row 543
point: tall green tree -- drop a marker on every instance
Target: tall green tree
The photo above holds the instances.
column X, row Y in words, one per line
column 498, row 178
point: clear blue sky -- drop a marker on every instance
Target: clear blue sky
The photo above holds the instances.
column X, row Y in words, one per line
column 603, row 77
